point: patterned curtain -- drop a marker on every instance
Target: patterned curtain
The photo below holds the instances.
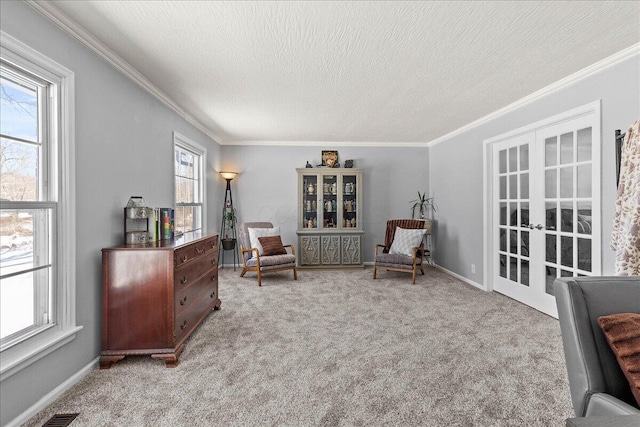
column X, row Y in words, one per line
column 625, row 239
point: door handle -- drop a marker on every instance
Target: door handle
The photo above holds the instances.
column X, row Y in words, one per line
column 539, row 226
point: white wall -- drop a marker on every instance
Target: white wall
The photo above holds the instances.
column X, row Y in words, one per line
column 124, row 147
column 455, row 165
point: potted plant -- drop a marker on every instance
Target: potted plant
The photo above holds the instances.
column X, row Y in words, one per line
column 422, row 203
column 229, row 223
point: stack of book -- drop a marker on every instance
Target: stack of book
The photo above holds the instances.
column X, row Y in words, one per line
column 161, row 224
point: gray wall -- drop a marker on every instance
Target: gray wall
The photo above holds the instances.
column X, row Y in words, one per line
column 124, row 141
column 266, row 188
column 455, row 165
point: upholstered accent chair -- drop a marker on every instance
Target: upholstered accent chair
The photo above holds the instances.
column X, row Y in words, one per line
column 253, row 259
column 410, row 260
column 598, row 385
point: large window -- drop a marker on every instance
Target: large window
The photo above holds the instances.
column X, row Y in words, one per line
column 189, row 186
column 37, row 257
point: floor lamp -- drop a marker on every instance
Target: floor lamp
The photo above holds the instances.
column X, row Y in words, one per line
column 228, row 236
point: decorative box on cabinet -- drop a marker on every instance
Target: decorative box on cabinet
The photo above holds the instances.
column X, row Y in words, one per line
column 330, row 217
column 155, row 295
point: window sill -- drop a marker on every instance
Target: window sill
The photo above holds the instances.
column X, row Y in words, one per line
column 18, row 357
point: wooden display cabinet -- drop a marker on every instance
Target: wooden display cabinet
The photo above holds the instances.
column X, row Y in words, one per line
column 330, row 217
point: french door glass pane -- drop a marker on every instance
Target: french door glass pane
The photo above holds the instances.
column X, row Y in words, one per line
column 566, row 251
column 566, row 148
column 503, row 187
column 584, row 180
column 524, row 186
column 566, row 217
column 584, row 218
column 513, row 186
column 524, row 272
column 584, row 144
column 524, row 157
column 551, row 151
column 551, row 216
column 550, row 245
column 584, row 254
column 550, row 278
column 566, row 182
column 550, row 183
column 503, row 161
column 513, row 159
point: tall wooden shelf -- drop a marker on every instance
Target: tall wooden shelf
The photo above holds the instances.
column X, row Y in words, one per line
column 330, row 226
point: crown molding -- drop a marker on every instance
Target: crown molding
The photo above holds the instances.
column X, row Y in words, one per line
column 53, row 14
column 328, row 144
column 560, row 84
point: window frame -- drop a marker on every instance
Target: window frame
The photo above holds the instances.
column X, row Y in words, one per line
column 185, row 144
column 60, row 174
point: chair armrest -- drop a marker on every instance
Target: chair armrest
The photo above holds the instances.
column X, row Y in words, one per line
column 293, row 249
column 249, row 250
column 603, row 404
column 378, row 245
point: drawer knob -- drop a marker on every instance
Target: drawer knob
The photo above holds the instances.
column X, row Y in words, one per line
column 183, row 280
column 213, row 294
column 184, row 324
column 199, row 250
column 183, row 301
column 214, row 261
column 184, row 258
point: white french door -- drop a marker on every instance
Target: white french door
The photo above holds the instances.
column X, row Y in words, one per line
column 544, row 209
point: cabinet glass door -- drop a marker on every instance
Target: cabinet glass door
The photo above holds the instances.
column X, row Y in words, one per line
column 330, row 201
column 349, row 198
column 310, row 201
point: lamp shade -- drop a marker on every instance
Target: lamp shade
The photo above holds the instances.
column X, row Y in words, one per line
column 228, row 175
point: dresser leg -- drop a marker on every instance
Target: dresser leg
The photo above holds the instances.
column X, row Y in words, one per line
column 107, row 361
column 218, row 304
column 170, row 359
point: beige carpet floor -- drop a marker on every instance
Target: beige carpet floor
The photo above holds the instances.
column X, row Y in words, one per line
column 336, row 348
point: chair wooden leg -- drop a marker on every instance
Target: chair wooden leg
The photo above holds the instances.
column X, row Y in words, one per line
column 374, row 271
column 422, row 269
column 295, row 274
column 244, row 270
column 414, row 276
column 259, row 278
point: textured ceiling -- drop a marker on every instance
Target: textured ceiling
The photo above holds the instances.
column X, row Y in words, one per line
column 353, row 72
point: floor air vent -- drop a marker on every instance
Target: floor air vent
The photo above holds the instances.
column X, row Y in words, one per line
column 60, row 420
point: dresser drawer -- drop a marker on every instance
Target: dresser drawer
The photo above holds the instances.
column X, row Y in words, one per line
column 184, row 255
column 211, row 244
column 187, row 274
column 190, row 317
column 186, row 296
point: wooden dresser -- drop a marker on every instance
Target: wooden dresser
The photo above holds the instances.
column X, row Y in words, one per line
column 155, row 295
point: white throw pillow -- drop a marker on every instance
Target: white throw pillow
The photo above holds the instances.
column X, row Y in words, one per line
column 254, row 233
column 405, row 240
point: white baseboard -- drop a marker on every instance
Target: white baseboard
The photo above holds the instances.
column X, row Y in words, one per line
column 459, row 277
column 53, row 395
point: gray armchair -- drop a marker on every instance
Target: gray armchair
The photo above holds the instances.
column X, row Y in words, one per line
column 253, row 261
column 598, row 385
